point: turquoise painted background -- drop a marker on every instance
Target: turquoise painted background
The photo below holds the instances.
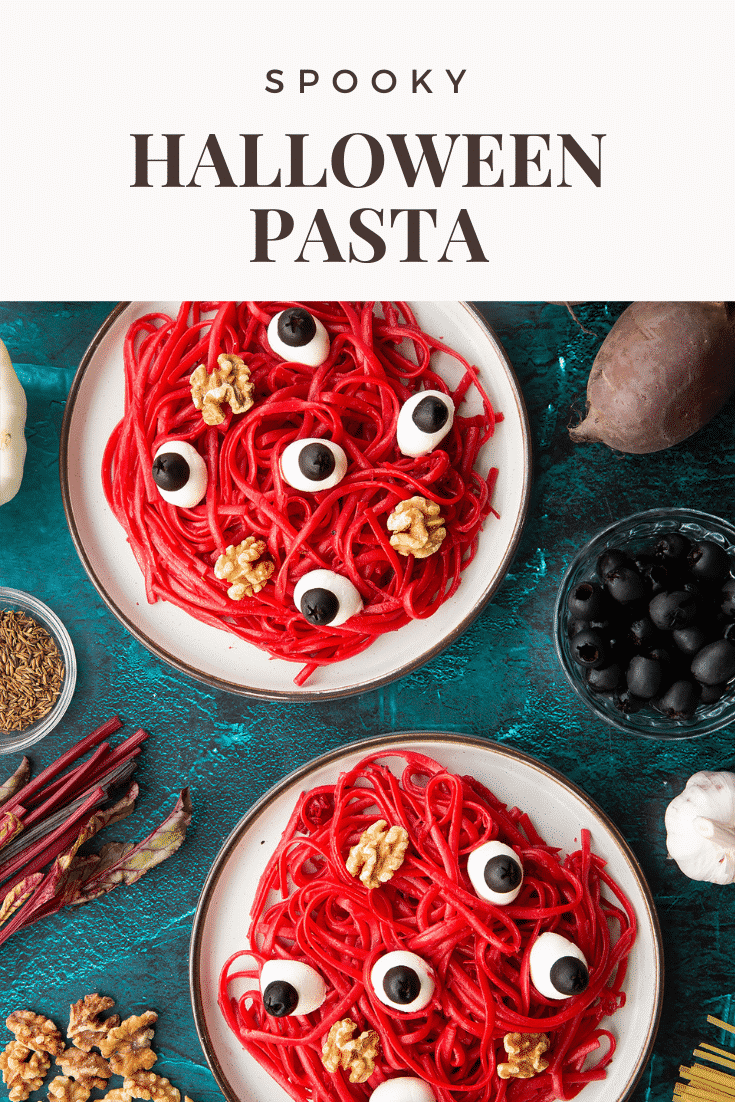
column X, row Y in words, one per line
column 499, row 681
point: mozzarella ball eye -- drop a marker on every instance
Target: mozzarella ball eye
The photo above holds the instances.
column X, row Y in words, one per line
column 403, row 1089
column 496, row 872
column 180, row 474
column 558, row 967
column 326, row 599
column 297, row 336
column 403, row 980
column 313, row 464
column 290, row 987
column 423, row 422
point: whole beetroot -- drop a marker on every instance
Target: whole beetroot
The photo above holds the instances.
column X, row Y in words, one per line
column 663, row 371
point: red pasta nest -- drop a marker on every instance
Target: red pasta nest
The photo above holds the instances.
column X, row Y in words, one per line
column 308, row 908
column 376, row 361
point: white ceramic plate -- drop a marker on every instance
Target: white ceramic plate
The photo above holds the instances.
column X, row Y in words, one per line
column 558, row 810
column 94, row 407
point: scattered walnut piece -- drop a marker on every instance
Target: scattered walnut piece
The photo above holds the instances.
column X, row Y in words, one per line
column 147, row 1085
column 86, row 1025
column 358, row 1055
column 86, row 1067
column 378, row 853
column 35, row 1032
column 23, row 1069
column 525, row 1052
column 62, row 1089
column 229, row 384
column 128, row 1045
column 239, row 566
column 417, row 526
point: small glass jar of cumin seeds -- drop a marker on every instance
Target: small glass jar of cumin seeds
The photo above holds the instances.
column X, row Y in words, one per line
column 38, row 670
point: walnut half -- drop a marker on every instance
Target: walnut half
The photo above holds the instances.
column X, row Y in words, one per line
column 356, row 1056
column 378, row 853
column 417, row 527
column 128, row 1045
column 87, row 1027
column 23, row 1069
column 229, row 384
column 525, row 1051
column 36, row 1032
column 240, row 567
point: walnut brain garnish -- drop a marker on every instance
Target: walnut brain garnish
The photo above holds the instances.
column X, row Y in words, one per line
column 128, row 1045
column 23, row 1069
column 62, row 1089
column 86, row 1067
column 525, row 1051
column 240, row 567
column 86, row 1025
column 356, row 1055
column 35, row 1031
column 378, row 853
column 418, row 529
column 229, row 384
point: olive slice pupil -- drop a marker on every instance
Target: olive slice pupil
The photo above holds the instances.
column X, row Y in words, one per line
column 430, row 414
column 569, row 975
column 316, row 462
column 170, row 471
column 319, row 606
column 296, row 327
column 502, row 873
column 280, row 998
column 401, row 984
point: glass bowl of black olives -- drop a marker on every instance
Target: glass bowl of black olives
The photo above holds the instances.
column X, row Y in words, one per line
column 645, row 624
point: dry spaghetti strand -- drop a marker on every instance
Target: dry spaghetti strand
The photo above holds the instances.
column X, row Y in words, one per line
column 307, row 907
column 377, row 359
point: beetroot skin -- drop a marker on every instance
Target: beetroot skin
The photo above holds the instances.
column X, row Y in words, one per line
column 663, row 371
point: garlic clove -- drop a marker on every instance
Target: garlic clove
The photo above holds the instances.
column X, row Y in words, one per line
column 13, row 409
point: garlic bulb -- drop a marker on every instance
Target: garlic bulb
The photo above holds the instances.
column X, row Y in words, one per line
column 700, row 828
column 13, row 407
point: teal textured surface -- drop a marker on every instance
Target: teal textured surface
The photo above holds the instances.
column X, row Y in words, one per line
column 499, row 681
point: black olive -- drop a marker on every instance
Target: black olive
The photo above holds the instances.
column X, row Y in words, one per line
column 628, row 704
column 642, row 633
column 280, row 998
column 680, row 700
column 625, row 585
column 715, row 663
column 673, row 610
column 644, row 676
column 319, row 606
column 691, row 639
column 170, row 471
column 589, row 649
column 430, row 414
column 575, row 626
column 401, row 984
column 569, row 975
column 502, row 873
column 711, row 693
column 296, row 327
column 604, row 680
column 672, row 546
column 708, row 561
column 728, row 597
column 316, row 461
column 586, row 601
column 610, row 560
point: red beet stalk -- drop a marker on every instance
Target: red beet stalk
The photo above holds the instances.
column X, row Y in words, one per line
column 57, row 767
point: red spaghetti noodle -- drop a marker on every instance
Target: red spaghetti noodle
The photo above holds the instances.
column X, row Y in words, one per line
column 308, row 908
column 377, row 359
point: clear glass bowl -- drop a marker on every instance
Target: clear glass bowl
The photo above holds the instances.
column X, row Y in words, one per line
column 13, row 741
column 635, row 533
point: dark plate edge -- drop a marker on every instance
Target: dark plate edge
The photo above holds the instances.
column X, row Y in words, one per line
column 391, row 740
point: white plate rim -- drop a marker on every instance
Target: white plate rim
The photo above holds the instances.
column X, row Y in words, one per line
column 306, row 692
column 649, row 921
